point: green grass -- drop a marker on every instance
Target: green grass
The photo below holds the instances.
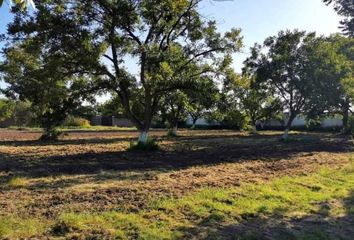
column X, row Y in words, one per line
column 150, row 145
column 17, row 182
column 20, row 228
column 169, row 218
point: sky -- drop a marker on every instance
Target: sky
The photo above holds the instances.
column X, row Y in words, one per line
column 258, row 20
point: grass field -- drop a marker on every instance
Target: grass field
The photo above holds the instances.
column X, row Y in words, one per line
column 200, row 185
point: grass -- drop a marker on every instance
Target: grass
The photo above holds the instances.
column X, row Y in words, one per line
column 150, row 145
column 17, row 182
column 20, row 228
column 173, row 218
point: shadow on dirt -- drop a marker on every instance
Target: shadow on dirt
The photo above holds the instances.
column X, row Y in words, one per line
column 199, row 153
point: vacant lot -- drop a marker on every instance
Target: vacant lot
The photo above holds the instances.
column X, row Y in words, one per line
column 201, row 185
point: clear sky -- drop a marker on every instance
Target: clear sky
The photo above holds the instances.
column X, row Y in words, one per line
column 258, row 19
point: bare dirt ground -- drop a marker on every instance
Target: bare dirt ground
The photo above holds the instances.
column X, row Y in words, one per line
column 93, row 170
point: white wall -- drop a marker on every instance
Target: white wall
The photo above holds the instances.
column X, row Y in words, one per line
column 299, row 121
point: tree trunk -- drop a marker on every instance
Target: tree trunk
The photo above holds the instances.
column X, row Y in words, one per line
column 174, row 130
column 345, row 119
column 194, row 122
column 288, row 126
column 143, row 137
column 286, row 133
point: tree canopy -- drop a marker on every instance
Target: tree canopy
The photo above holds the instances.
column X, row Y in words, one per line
column 172, row 43
column 282, row 67
column 344, row 8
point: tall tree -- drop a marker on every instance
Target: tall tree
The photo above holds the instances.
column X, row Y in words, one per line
column 344, row 8
column 331, row 66
column 174, row 109
column 201, row 99
column 7, row 108
column 32, row 77
column 255, row 100
column 281, row 66
column 159, row 34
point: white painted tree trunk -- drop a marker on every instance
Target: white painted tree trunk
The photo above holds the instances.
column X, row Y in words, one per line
column 286, row 134
column 143, row 137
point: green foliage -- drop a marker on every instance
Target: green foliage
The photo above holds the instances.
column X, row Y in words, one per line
column 112, row 107
column 280, row 65
column 202, row 98
column 72, row 121
column 344, row 8
column 148, row 30
column 174, row 108
column 51, row 134
column 23, row 114
column 22, row 4
column 149, row 145
column 6, row 109
column 330, row 65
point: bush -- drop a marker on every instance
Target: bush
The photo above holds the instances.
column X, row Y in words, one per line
column 150, row 145
column 76, row 122
column 51, row 134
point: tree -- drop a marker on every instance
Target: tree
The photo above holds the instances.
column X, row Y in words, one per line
column 32, row 77
column 174, row 109
column 23, row 4
column 255, row 100
column 201, row 99
column 281, row 67
column 111, row 107
column 23, row 114
column 344, row 8
column 6, row 108
column 227, row 109
column 330, row 65
column 160, row 34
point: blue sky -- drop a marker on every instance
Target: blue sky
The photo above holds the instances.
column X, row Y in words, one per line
column 258, row 19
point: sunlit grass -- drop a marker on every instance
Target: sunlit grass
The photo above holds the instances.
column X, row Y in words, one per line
column 20, row 228
column 18, row 182
column 170, row 218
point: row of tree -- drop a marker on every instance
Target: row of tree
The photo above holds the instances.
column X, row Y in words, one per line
column 66, row 52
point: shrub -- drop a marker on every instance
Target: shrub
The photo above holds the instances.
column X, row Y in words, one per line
column 51, row 134
column 150, row 145
column 76, row 122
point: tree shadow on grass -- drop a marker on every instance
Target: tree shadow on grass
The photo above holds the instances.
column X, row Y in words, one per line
column 315, row 226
